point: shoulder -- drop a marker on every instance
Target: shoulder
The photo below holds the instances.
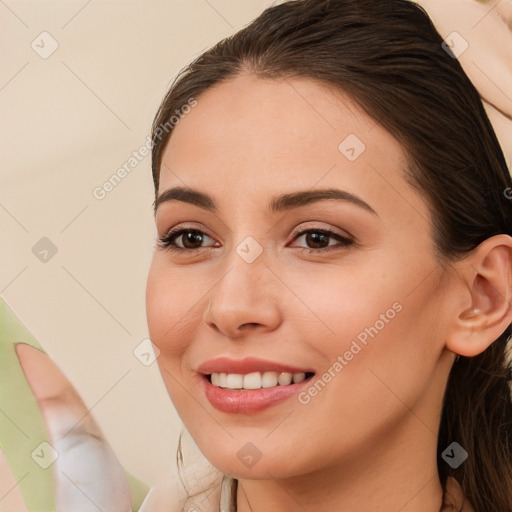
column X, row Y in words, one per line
column 171, row 496
column 164, row 497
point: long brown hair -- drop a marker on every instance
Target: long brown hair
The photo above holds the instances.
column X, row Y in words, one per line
column 389, row 58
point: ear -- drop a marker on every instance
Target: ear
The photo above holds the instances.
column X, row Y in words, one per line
column 487, row 276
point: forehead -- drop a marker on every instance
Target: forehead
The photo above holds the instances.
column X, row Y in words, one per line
column 256, row 137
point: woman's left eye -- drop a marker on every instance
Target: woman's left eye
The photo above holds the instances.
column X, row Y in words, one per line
column 317, row 237
column 189, row 237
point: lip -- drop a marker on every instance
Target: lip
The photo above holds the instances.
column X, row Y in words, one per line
column 249, row 401
column 247, row 365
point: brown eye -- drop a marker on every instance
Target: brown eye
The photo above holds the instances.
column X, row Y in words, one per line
column 317, row 240
column 190, row 238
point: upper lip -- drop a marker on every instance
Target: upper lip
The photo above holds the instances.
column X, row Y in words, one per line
column 247, row 365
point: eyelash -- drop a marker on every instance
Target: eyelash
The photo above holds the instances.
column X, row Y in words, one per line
column 167, row 241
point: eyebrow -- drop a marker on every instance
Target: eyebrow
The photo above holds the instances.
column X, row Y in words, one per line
column 279, row 203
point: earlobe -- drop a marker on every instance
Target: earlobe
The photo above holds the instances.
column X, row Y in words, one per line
column 487, row 272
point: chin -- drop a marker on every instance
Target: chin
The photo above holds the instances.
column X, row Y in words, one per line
column 240, row 465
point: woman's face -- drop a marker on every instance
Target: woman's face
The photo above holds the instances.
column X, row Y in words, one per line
column 367, row 314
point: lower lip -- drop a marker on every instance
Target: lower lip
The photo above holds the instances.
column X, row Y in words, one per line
column 251, row 400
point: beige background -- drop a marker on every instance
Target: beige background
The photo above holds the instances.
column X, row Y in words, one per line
column 68, row 123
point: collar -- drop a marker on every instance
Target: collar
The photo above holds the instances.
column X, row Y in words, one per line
column 456, row 499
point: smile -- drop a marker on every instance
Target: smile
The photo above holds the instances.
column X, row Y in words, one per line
column 237, row 400
column 256, row 380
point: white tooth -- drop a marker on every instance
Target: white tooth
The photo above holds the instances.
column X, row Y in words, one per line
column 269, row 379
column 252, row 380
column 299, row 377
column 284, row 378
column 255, row 380
column 234, row 380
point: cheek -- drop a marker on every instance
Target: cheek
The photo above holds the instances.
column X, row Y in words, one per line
column 170, row 310
column 341, row 304
column 392, row 342
column 380, row 362
column 385, row 318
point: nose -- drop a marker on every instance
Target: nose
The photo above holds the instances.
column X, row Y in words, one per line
column 245, row 300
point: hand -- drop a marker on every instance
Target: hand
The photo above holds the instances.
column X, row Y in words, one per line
column 87, row 473
column 39, row 406
column 485, row 46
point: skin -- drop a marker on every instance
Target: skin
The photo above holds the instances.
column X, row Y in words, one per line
column 367, row 441
column 487, row 27
column 75, row 436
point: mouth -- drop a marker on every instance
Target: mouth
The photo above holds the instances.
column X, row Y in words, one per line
column 253, row 392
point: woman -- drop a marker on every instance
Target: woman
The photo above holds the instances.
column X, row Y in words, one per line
column 334, row 226
column 334, row 217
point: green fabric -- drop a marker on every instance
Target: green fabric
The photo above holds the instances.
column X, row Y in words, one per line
column 22, row 428
column 21, row 424
column 138, row 490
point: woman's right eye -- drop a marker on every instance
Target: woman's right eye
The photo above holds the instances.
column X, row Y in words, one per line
column 189, row 238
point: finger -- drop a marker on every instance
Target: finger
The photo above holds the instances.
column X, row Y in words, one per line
column 486, row 60
column 87, row 473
